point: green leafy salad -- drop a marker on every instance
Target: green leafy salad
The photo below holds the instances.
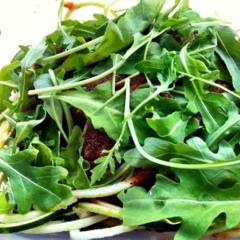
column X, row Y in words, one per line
column 121, row 124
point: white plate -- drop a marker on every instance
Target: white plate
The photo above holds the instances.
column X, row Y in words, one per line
column 138, row 235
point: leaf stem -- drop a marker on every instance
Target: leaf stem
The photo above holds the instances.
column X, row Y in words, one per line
column 102, row 233
column 106, row 191
column 78, row 84
column 72, row 50
column 18, row 218
column 118, row 93
column 131, row 76
column 9, row 119
column 22, row 89
column 176, row 165
column 115, row 96
column 115, row 59
column 113, row 212
column 147, row 48
column 196, row 51
column 144, row 58
column 123, row 171
column 159, row 90
column 4, row 113
column 59, row 23
column 211, row 83
column 128, row 53
column 8, row 84
column 111, row 152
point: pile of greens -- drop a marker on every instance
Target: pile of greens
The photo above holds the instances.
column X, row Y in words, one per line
column 175, row 134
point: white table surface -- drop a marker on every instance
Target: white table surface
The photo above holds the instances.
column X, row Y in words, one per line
column 25, row 22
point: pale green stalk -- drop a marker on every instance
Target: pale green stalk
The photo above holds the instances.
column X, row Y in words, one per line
column 100, row 192
column 8, row 84
column 73, row 50
column 101, row 233
column 66, row 226
column 212, row 83
column 113, row 212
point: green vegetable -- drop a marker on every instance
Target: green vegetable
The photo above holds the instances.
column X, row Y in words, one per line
column 171, row 127
column 24, row 128
column 7, row 74
column 150, row 98
column 34, row 185
column 194, row 150
column 44, row 156
column 72, row 161
column 109, row 118
column 190, row 200
column 6, row 207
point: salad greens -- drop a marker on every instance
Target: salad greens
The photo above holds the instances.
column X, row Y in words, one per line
column 136, row 115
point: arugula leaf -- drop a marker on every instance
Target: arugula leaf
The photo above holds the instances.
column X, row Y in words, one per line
column 210, row 105
column 103, row 163
column 232, row 66
column 6, row 74
column 195, row 150
column 107, row 162
column 5, row 206
column 88, row 29
column 161, row 105
column 110, row 118
column 53, row 107
column 185, row 113
column 83, row 179
column 24, row 128
column 171, row 127
column 112, row 42
column 230, row 39
column 170, row 199
column 230, row 125
column 34, row 53
column 162, row 63
column 26, row 77
column 120, row 35
column 227, row 176
column 44, row 156
column 25, row 83
column 36, row 186
column 168, row 42
column 192, row 126
column 72, row 161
